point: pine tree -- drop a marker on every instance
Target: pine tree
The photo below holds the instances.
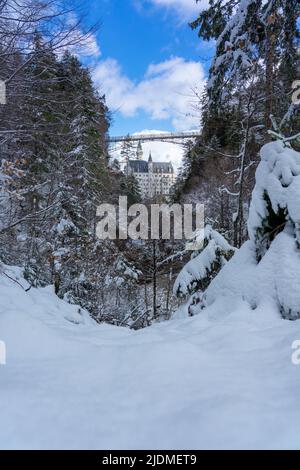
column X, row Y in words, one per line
column 130, row 188
column 204, row 265
column 252, row 38
column 236, row 28
column 128, row 152
column 42, row 153
column 85, row 179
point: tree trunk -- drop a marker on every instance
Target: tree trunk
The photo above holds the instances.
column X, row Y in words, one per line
column 154, row 279
column 270, row 56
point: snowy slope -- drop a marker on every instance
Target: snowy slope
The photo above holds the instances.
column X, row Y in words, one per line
column 222, row 379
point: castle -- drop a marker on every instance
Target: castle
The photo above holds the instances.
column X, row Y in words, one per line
column 154, row 178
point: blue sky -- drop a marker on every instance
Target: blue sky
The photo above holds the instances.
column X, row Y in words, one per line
column 148, row 62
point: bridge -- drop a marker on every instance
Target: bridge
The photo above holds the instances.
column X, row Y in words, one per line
column 162, row 137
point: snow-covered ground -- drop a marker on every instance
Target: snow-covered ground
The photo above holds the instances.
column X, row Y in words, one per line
column 222, row 379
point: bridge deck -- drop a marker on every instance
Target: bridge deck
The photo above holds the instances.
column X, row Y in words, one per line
column 151, row 137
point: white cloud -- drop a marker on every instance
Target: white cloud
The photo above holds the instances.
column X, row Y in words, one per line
column 90, row 47
column 78, row 42
column 185, row 8
column 189, row 6
column 165, row 92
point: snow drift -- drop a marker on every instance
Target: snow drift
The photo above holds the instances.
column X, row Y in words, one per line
column 223, row 379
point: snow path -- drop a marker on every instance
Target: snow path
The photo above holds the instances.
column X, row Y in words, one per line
column 223, row 379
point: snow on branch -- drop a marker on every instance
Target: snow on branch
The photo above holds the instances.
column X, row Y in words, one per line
column 199, row 271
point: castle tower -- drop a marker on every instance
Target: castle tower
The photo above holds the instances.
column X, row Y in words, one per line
column 139, row 152
column 151, row 183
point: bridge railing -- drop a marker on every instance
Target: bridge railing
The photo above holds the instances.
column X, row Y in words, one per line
column 151, row 137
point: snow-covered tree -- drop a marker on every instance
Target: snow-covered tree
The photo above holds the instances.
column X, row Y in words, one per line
column 275, row 202
column 248, row 32
column 265, row 272
column 196, row 275
column 249, row 89
column 236, row 27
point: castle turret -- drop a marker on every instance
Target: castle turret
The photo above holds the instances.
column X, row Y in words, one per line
column 150, row 162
